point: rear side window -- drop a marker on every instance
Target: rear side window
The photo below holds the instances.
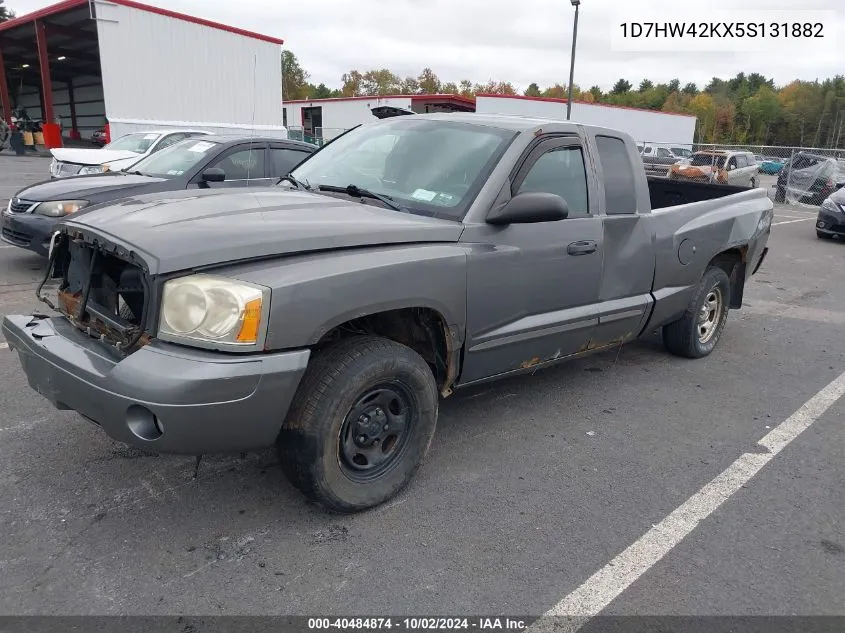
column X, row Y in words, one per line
column 618, row 176
column 740, row 160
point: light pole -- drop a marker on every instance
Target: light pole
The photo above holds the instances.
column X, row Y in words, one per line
column 575, row 3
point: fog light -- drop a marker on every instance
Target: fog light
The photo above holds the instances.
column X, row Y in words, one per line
column 820, row 224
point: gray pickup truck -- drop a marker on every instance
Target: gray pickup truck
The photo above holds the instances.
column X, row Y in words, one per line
column 407, row 258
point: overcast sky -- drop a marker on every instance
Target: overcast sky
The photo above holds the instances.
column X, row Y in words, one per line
column 513, row 40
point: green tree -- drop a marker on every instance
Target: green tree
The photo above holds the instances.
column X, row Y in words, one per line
column 761, row 111
column 494, row 88
column 294, row 78
column 450, row 88
column 674, row 86
column 620, row 87
column 690, row 89
column 381, row 82
column 703, row 106
column 558, row 91
column 352, row 84
column 597, row 93
column 429, row 83
column 466, row 88
column 533, row 90
column 321, row 92
column 410, row 86
column 645, row 84
column 5, row 13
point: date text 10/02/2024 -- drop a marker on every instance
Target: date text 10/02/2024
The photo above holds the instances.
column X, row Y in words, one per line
column 419, row 624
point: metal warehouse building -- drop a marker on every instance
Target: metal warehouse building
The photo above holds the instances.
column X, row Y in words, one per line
column 323, row 119
column 647, row 126
column 139, row 66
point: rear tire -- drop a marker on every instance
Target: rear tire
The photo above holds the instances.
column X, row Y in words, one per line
column 360, row 423
column 697, row 332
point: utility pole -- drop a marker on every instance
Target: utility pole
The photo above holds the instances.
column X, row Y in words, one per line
column 576, row 4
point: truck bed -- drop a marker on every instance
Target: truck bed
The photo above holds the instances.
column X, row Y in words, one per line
column 665, row 192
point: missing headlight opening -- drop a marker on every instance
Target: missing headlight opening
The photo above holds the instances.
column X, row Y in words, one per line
column 99, row 293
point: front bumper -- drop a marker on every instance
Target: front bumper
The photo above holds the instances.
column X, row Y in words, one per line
column 164, row 398
column 27, row 230
column 831, row 223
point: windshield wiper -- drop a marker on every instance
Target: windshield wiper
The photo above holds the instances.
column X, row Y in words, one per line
column 357, row 192
column 297, row 183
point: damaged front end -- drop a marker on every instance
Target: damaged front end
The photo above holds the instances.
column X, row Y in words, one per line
column 103, row 290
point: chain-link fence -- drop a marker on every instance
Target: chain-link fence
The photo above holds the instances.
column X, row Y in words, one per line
column 317, row 136
column 791, row 175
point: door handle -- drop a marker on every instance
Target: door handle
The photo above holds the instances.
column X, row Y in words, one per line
column 582, row 248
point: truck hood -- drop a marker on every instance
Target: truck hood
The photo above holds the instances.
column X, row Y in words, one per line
column 190, row 229
column 82, row 156
column 86, row 187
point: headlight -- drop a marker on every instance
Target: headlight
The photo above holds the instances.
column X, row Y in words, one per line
column 93, row 169
column 212, row 311
column 59, row 208
column 830, row 205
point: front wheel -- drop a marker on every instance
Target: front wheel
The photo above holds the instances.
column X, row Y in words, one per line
column 696, row 333
column 360, row 424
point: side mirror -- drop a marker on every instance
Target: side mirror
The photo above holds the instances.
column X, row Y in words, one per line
column 529, row 208
column 213, row 174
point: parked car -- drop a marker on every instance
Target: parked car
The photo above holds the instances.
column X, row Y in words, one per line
column 99, row 137
column 809, row 179
column 770, row 166
column 326, row 316
column 830, row 222
column 117, row 155
column 725, row 167
column 211, row 162
column 657, row 159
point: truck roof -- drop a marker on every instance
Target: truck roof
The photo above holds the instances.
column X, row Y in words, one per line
column 515, row 122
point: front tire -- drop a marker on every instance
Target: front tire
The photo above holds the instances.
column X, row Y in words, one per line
column 697, row 332
column 360, row 424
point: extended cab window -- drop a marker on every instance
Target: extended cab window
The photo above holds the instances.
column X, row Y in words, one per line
column 618, row 176
column 664, row 153
column 560, row 171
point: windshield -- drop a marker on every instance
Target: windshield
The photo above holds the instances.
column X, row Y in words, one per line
column 138, row 143
column 174, row 161
column 428, row 166
column 701, row 160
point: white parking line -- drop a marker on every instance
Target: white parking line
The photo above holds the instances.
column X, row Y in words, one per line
column 611, row 580
column 791, row 221
column 4, row 346
column 7, row 246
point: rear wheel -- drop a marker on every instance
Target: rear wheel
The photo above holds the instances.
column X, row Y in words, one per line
column 697, row 332
column 360, row 423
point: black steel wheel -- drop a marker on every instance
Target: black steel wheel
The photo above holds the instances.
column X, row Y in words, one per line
column 360, row 424
column 376, row 431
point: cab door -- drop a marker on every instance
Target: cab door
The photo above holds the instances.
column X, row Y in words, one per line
column 532, row 289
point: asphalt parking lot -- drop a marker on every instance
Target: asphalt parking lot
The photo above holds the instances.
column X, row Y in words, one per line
column 531, row 486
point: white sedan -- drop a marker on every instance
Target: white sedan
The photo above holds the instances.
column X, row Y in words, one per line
column 117, row 155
